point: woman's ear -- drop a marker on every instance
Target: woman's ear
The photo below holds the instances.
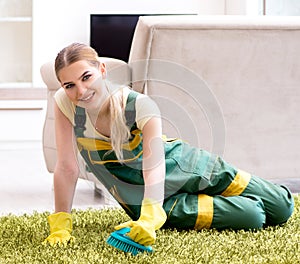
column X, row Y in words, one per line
column 102, row 69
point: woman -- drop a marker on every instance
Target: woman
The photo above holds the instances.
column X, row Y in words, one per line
column 158, row 182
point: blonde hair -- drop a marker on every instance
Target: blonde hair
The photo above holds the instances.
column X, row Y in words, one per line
column 119, row 131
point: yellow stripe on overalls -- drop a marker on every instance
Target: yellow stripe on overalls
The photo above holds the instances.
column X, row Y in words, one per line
column 238, row 185
column 205, row 211
column 102, row 162
column 92, row 144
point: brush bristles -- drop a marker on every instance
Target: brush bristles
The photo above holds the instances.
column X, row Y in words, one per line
column 123, row 246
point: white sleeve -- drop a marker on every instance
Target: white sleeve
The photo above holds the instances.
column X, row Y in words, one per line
column 146, row 108
column 64, row 104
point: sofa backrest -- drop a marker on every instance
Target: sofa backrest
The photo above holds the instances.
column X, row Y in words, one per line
column 227, row 84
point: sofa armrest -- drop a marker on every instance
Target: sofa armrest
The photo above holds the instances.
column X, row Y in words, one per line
column 49, row 77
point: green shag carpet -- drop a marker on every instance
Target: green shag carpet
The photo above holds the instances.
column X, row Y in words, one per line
column 21, row 237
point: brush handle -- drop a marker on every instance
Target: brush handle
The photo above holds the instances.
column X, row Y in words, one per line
column 123, row 231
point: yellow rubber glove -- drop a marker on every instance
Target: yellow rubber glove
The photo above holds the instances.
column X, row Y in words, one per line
column 60, row 229
column 152, row 218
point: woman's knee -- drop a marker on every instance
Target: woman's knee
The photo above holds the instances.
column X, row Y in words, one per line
column 278, row 200
column 239, row 213
column 254, row 216
column 283, row 210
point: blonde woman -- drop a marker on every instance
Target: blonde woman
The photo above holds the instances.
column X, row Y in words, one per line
column 158, row 182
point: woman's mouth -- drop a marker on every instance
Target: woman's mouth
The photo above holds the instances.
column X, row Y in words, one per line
column 86, row 98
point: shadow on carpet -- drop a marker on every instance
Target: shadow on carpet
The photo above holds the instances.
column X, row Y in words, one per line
column 21, row 237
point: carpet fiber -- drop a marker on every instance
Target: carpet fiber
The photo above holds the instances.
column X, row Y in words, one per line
column 21, row 237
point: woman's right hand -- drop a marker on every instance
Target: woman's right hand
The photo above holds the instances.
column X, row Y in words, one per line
column 65, row 177
column 60, row 229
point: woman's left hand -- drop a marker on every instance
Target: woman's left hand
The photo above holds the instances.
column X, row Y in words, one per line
column 152, row 218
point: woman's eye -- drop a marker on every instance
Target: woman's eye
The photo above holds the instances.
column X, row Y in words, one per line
column 86, row 77
column 68, row 86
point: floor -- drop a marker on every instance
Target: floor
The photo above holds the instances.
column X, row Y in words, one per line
column 26, row 186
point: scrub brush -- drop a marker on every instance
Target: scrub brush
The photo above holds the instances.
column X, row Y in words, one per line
column 119, row 240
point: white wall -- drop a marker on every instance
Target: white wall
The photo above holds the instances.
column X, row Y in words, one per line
column 211, row 7
column 243, row 7
column 57, row 23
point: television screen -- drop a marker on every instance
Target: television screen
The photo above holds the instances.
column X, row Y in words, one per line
column 111, row 35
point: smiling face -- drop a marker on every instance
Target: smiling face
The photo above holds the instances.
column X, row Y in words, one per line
column 83, row 84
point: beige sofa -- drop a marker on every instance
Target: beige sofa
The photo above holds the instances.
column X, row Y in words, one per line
column 227, row 84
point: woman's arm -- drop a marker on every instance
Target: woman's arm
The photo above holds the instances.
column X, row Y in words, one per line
column 152, row 215
column 66, row 170
column 154, row 167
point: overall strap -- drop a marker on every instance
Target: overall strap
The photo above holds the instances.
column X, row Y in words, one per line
column 130, row 112
column 80, row 119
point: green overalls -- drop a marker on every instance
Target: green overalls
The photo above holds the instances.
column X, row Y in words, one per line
column 201, row 189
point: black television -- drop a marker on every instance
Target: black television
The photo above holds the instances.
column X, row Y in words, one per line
column 111, row 35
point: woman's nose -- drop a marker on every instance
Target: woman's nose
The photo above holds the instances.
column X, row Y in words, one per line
column 81, row 90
